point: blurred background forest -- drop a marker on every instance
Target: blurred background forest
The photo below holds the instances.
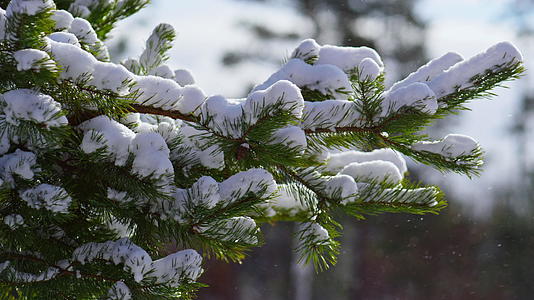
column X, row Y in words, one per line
column 480, row 247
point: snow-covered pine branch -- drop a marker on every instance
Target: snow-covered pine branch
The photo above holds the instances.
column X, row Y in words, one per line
column 103, row 164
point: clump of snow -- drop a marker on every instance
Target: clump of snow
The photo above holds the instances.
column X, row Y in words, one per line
column 163, row 71
column 287, row 202
column 169, row 270
column 29, row 105
column 14, row 221
column 326, row 79
column 183, row 77
column 255, row 181
column 102, row 132
column 430, row 70
column 64, row 37
column 314, row 232
column 151, row 156
column 290, row 136
column 368, row 69
column 31, row 59
column 451, row 146
column 459, row 76
column 235, row 229
column 218, row 112
column 196, row 151
column 47, row 196
column 20, row 163
column 119, row 291
column 347, row 58
column 307, row 49
column 338, row 161
column 62, row 18
column 416, row 95
column 174, row 268
column 83, row 30
column 18, row 276
column 204, row 192
column 207, row 193
column 341, row 187
column 112, row 77
column 167, row 94
column 28, row 7
column 74, row 61
column 373, row 171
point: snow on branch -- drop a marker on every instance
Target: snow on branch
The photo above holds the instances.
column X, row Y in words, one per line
column 171, row 270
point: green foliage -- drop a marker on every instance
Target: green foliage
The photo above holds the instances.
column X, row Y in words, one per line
column 154, row 216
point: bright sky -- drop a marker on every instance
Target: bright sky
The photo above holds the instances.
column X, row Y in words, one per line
column 209, row 27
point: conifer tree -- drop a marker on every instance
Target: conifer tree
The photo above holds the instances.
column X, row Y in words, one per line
column 104, row 164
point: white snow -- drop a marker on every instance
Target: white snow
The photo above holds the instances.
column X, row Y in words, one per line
column 430, row 70
column 417, row 95
column 49, row 197
column 307, row 49
column 30, row 277
column 347, row 58
column 28, row 7
column 255, row 181
column 31, row 59
column 368, row 69
column 204, row 192
column 62, row 18
column 287, row 202
column 183, row 77
column 20, row 163
column 373, row 171
column 102, row 132
column 167, row 94
column 170, row 270
column 341, row 187
column 218, row 113
column 163, row 71
column 290, row 136
column 119, row 291
column 29, row 105
column 112, row 77
column 211, row 157
column 451, row 146
column 459, row 76
column 83, row 30
column 314, row 232
column 74, row 61
column 13, row 221
column 151, row 156
column 64, row 37
column 338, row 161
column 235, row 229
column 326, row 79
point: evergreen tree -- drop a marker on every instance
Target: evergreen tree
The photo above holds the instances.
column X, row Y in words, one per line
column 104, row 164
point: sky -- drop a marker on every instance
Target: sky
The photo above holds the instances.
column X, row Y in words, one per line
column 208, row 28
